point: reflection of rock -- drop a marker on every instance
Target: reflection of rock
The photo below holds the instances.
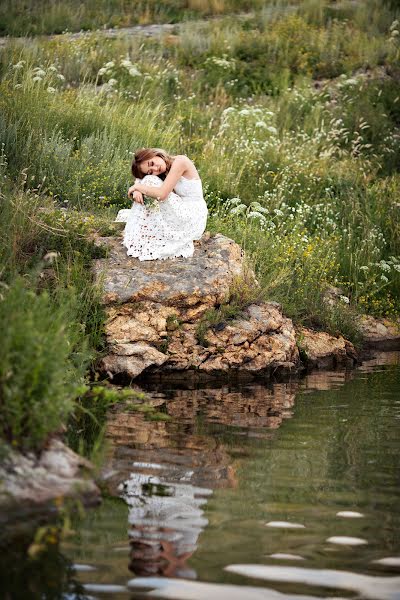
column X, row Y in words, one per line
column 325, row 351
column 165, row 471
column 154, row 308
column 254, row 406
column 165, row 475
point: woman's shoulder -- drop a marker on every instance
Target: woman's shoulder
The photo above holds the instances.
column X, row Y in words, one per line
column 183, row 158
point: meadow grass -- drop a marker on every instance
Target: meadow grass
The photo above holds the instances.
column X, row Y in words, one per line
column 293, row 119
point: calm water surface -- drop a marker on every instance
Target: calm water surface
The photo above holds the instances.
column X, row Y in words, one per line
column 238, row 495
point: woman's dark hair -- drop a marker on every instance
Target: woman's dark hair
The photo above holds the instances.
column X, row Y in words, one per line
column 147, row 154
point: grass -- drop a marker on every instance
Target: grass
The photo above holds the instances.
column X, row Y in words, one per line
column 292, row 116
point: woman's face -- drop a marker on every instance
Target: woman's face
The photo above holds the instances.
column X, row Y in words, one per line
column 153, row 166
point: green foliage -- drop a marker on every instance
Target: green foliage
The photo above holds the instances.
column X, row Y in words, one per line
column 43, row 360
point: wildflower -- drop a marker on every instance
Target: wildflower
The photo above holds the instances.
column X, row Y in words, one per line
column 261, row 124
column 39, row 72
column 272, row 129
column 134, row 72
column 344, row 299
column 234, row 201
column 53, row 68
column 112, row 82
column 60, row 76
column 238, row 210
column 384, row 278
column 109, row 65
column 37, row 78
column 19, row 65
column 51, row 90
column 50, row 256
column 256, row 215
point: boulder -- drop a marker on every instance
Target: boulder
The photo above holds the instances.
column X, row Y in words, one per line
column 32, row 487
column 324, row 351
column 380, row 333
column 156, row 315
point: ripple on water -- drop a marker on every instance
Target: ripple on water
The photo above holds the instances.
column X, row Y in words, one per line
column 285, row 525
column 349, row 514
column 283, row 556
column 389, row 561
column 344, row 540
column 179, row 589
column 373, row 588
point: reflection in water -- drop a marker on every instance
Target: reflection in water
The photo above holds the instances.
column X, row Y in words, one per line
column 200, row 489
column 166, row 471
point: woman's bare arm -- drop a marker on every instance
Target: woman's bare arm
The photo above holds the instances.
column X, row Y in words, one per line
column 179, row 166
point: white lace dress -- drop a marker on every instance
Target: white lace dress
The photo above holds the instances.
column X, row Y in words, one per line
column 165, row 229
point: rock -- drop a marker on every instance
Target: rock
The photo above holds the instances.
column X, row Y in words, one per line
column 380, row 333
column 154, row 309
column 192, row 285
column 32, row 487
column 325, row 351
column 131, row 359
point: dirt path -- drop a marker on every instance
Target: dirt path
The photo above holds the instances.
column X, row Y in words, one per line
column 152, row 30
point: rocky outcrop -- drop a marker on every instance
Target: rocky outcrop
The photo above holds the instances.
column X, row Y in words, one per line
column 324, row 351
column 165, row 317
column 156, row 316
column 30, row 486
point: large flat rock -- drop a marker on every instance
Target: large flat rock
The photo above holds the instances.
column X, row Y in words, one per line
column 158, row 318
column 203, row 279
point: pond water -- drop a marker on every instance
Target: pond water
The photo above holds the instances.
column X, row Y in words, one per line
column 255, row 491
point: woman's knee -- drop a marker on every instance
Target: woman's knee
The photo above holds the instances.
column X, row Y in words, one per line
column 152, row 180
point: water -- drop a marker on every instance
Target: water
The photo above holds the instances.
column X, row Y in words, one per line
column 240, row 494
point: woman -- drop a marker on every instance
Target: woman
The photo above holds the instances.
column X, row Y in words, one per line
column 167, row 227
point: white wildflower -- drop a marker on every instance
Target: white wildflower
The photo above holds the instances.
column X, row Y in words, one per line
column 39, row 72
column 384, row 278
column 109, row 65
column 60, row 76
column 112, row 82
column 234, row 201
column 344, row 299
column 134, row 72
column 261, row 124
column 53, row 68
column 272, row 129
column 37, row 78
column 256, row 215
column 51, row 90
column 238, row 210
column 102, row 71
column 19, row 65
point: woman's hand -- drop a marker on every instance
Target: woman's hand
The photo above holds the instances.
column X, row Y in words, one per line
column 137, row 197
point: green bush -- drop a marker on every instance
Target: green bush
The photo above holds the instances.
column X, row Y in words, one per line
column 42, row 363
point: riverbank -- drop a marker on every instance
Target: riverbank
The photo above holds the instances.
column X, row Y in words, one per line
column 293, row 122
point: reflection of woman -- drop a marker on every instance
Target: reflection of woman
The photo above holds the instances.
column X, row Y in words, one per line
column 178, row 216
